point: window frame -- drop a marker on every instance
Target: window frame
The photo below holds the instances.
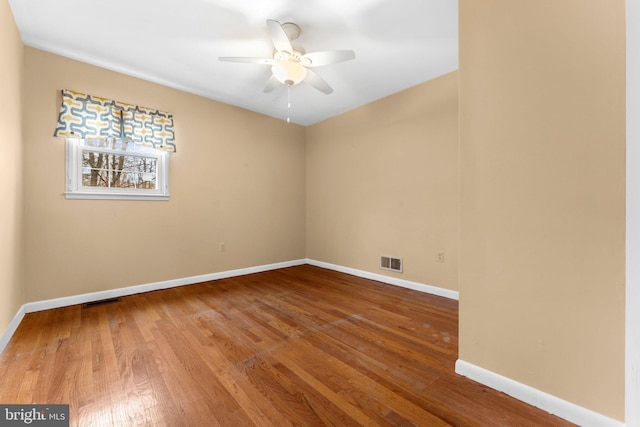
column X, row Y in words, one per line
column 75, row 189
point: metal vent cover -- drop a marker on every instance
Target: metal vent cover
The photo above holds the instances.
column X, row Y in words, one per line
column 391, row 263
column 100, row 302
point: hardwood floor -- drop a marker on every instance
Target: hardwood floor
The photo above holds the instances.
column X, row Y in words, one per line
column 300, row 346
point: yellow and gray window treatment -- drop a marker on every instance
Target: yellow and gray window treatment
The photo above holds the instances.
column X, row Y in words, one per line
column 87, row 116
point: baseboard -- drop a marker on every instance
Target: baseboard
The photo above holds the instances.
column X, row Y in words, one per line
column 31, row 307
column 446, row 293
column 547, row 402
column 11, row 328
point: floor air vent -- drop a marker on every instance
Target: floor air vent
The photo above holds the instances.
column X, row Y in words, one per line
column 100, row 302
column 391, row 263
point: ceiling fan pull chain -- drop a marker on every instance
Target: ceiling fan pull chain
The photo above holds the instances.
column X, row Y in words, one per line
column 288, row 103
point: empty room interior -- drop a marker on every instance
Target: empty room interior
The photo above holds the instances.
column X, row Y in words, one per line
column 452, row 253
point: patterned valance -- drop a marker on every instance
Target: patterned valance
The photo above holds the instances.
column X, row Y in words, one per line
column 88, row 116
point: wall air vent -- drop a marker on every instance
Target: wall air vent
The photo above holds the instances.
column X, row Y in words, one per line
column 391, row 263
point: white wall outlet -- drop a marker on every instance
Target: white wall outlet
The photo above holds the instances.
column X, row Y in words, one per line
column 440, row 257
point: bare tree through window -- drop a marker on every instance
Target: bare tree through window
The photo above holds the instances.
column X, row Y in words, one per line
column 103, row 169
column 113, row 168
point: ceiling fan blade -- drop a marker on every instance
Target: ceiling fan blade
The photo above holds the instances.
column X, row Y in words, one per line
column 264, row 61
column 278, row 36
column 318, row 82
column 272, row 83
column 318, row 59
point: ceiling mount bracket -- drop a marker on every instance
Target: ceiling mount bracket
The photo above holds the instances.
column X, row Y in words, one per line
column 292, row 30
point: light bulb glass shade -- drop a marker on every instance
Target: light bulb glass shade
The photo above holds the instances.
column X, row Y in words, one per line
column 289, row 72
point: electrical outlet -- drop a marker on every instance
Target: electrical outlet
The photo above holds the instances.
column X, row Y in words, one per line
column 221, row 246
column 440, row 257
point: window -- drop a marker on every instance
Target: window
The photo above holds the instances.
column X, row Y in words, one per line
column 110, row 168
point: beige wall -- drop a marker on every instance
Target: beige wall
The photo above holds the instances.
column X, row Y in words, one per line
column 383, row 180
column 11, row 66
column 542, row 96
column 237, row 177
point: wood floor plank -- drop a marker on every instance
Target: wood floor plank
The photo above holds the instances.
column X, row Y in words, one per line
column 300, row 346
column 352, row 387
column 306, row 372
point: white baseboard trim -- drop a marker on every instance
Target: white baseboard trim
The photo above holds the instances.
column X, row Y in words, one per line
column 31, row 307
column 446, row 293
column 547, row 402
column 138, row 289
column 11, row 328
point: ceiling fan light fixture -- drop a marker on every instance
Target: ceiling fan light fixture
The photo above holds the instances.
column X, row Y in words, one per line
column 289, row 72
column 290, row 61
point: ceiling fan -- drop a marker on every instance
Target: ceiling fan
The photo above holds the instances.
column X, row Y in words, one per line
column 290, row 64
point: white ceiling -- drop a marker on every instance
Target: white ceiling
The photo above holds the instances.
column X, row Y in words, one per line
column 398, row 44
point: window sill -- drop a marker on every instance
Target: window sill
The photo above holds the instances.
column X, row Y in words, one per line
column 86, row 195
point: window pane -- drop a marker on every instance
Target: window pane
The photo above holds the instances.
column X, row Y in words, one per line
column 98, row 142
column 118, row 171
column 117, row 144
